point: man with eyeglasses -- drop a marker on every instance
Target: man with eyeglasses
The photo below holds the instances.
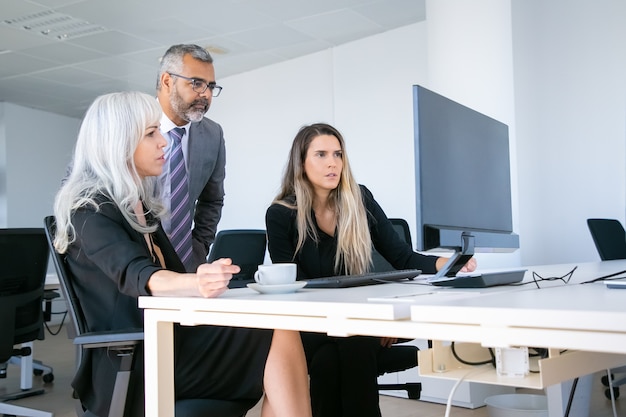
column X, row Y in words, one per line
column 185, row 87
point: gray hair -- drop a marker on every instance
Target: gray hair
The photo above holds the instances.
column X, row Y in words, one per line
column 172, row 61
column 103, row 163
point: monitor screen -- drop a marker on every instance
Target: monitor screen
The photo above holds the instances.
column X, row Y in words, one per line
column 462, row 177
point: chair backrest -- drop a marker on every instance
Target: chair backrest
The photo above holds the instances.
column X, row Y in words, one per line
column 246, row 247
column 402, row 228
column 77, row 318
column 609, row 237
column 23, row 265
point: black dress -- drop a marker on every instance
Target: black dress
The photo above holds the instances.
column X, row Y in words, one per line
column 111, row 265
column 343, row 371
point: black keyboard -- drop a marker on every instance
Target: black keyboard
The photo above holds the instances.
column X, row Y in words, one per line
column 345, row 281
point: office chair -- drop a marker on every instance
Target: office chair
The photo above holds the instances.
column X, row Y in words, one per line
column 398, row 357
column 609, row 237
column 402, row 228
column 124, row 343
column 24, row 259
column 246, row 247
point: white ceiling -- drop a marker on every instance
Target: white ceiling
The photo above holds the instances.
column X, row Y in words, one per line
column 122, row 52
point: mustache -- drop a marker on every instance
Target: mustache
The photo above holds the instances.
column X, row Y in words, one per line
column 202, row 102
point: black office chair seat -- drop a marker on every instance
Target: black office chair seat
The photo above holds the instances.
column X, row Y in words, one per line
column 395, row 359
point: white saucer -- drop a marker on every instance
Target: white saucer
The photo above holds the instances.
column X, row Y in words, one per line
column 277, row 289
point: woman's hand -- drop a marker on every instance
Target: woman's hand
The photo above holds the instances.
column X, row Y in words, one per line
column 213, row 278
column 388, row 341
column 470, row 266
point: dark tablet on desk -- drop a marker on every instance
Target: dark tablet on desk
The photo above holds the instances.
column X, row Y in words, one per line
column 616, row 283
column 346, row 281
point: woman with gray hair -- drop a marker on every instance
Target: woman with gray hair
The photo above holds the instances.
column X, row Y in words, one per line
column 107, row 216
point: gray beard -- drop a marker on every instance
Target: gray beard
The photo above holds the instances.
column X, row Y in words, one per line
column 183, row 110
column 193, row 115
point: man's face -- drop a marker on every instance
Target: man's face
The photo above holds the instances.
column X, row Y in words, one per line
column 187, row 104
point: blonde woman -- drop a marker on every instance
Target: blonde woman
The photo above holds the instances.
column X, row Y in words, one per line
column 328, row 224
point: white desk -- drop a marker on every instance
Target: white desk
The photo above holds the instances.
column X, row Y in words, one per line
column 593, row 321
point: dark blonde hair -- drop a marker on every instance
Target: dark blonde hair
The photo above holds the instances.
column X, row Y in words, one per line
column 354, row 243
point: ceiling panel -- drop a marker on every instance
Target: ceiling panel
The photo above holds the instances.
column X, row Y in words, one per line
column 62, row 53
column 118, row 43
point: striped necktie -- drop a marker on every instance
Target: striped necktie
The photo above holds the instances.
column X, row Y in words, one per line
column 180, row 233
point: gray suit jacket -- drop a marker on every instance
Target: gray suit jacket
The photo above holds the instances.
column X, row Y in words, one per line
column 207, row 168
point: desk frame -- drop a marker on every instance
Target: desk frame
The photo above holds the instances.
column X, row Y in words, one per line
column 348, row 312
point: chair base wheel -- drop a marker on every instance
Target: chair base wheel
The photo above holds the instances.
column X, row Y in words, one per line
column 605, row 380
column 607, row 393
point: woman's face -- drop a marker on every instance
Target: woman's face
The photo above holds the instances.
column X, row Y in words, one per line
column 149, row 156
column 324, row 162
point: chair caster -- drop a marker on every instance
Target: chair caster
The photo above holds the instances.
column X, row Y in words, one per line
column 47, row 378
column 414, row 392
column 605, row 380
column 607, row 393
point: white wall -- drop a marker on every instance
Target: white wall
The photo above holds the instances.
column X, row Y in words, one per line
column 364, row 88
column 38, row 146
column 570, row 87
column 260, row 112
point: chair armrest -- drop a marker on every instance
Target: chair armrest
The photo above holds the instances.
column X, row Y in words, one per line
column 110, row 338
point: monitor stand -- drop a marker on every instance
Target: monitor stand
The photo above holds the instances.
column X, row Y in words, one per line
column 447, row 275
column 462, row 254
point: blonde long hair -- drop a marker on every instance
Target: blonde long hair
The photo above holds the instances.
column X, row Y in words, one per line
column 354, row 242
column 103, row 163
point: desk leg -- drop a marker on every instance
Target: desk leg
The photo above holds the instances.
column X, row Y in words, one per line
column 558, row 396
column 159, row 364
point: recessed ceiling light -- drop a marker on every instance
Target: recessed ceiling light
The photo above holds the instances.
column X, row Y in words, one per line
column 51, row 23
column 214, row 49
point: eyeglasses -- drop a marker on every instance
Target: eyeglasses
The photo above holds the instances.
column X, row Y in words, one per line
column 565, row 278
column 200, row 86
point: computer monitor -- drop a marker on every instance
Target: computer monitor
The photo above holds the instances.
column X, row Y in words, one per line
column 462, row 179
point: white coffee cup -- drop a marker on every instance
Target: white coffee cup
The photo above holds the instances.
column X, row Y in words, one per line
column 276, row 274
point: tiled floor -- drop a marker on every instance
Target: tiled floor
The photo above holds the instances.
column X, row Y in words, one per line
column 58, row 352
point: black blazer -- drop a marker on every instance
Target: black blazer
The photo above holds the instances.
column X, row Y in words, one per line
column 317, row 259
column 111, row 264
